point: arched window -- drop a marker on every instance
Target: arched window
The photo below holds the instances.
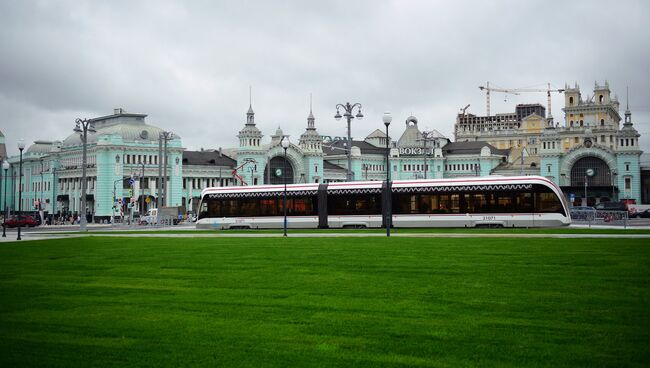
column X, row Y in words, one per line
column 571, row 100
column 600, row 99
column 602, row 121
column 601, row 173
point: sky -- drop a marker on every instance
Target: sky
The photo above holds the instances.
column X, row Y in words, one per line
column 188, row 65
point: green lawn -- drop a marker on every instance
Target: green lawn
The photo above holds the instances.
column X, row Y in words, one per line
column 303, row 302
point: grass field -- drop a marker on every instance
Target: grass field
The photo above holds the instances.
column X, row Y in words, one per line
column 325, row 302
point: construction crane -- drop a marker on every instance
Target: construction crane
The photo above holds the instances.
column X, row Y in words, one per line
column 516, row 91
column 234, row 172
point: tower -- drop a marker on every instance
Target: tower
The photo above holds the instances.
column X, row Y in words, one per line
column 311, row 145
column 250, row 149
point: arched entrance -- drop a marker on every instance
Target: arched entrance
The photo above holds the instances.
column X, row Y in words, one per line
column 591, row 181
column 281, row 171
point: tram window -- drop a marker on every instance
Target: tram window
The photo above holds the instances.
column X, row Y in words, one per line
column 359, row 204
column 524, row 202
column 302, row 206
column 203, row 210
column 429, row 203
column 445, row 203
column 505, row 203
column 269, row 207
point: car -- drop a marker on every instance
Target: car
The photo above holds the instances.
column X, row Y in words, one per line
column 611, row 206
column 22, row 221
column 644, row 214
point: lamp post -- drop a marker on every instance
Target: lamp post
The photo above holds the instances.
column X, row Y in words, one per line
column 40, row 200
column 614, row 174
column 55, row 184
column 163, row 137
column 142, row 190
column 387, row 118
column 285, row 145
column 348, row 108
column 5, row 166
column 83, row 126
column 426, row 137
column 21, row 147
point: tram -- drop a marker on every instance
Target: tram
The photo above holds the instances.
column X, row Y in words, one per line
column 524, row 201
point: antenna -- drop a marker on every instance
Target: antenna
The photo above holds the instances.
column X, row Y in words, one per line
column 250, row 95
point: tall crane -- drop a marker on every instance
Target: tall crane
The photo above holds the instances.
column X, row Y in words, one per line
column 516, row 91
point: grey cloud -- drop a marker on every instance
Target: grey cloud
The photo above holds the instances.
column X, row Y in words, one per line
column 189, row 64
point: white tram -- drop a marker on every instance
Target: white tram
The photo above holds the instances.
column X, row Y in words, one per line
column 525, row 201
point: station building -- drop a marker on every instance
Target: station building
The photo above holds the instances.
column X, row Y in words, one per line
column 123, row 158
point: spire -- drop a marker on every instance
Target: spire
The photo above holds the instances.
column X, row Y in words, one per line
column 628, row 114
column 310, row 118
column 250, row 115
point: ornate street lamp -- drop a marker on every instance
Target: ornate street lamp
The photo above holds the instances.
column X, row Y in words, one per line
column 285, row 145
column 5, row 166
column 83, row 126
column 348, row 116
column 387, row 118
column 426, row 137
column 21, row 147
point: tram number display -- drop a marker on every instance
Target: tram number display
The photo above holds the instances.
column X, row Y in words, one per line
column 489, row 218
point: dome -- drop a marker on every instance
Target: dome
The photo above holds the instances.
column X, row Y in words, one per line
column 411, row 136
column 40, row 147
column 128, row 131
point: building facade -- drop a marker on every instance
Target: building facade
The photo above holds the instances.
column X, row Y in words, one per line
column 592, row 156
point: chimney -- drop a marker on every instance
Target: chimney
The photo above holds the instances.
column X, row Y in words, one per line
column 118, row 111
column 220, row 154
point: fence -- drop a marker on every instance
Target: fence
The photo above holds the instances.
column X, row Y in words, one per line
column 600, row 217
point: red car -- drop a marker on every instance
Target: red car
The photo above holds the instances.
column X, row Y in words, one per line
column 22, row 221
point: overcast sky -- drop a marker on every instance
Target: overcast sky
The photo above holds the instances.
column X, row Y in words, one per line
column 189, row 64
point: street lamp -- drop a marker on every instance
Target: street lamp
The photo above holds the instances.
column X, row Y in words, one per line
column 387, row 118
column 426, row 137
column 142, row 189
column 83, row 126
column 348, row 116
column 40, row 200
column 21, row 147
column 285, row 145
column 614, row 174
column 5, row 166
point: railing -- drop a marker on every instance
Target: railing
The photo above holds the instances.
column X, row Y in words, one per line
column 600, row 217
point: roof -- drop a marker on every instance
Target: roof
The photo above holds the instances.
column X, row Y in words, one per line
column 207, row 158
column 376, row 134
column 470, row 148
column 330, row 166
column 338, row 148
column 645, row 160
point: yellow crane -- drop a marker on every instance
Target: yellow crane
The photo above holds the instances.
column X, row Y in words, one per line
column 516, row 91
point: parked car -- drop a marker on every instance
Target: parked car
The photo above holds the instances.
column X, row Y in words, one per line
column 22, row 221
column 644, row 214
column 612, row 206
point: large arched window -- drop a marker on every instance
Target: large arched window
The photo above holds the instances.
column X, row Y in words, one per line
column 279, row 172
column 594, row 168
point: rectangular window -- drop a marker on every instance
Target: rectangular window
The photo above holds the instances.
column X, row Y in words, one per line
column 628, row 183
column 627, row 166
column 548, row 168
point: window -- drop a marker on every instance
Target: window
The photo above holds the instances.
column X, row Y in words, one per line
column 571, row 100
column 602, row 122
column 628, row 183
column 627, row 166
column 548, row 168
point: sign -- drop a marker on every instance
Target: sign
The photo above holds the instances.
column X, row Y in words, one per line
column 147, row 199
column 572, row 197
column 415, row 151
column 131, row 181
